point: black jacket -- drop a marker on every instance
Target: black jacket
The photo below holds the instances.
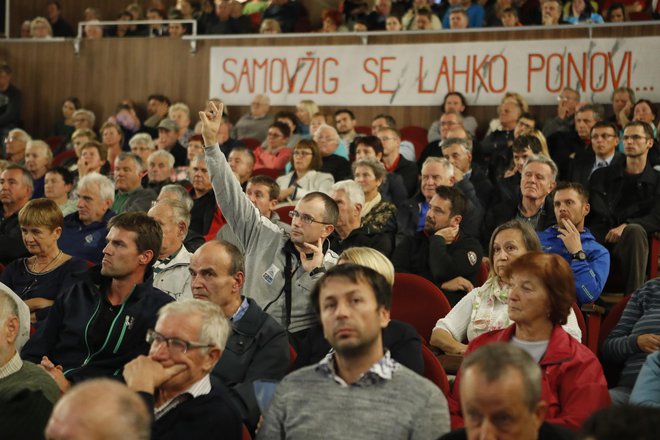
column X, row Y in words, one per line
column 564, row 146
column 212, row 415
column 409, row 173
column 432, row 258
column 581, row 166
column 339, row 167
column 610, row 207
column 65, row 335
column 507, row 209
column 257, row 348
column 399, row 337
column 11, row 239
column 363, row 236
column 482, row 185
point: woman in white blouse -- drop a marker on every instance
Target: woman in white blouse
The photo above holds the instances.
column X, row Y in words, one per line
column 305, row 177
column 484, row 309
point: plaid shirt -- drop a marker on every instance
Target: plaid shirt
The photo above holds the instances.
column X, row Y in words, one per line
column 379, row 372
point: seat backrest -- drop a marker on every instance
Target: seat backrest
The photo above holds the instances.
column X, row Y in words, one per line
column 417, row 135
column 418, row 302
column 612, row 318
column 283, row 212
column 581, row 323
column 251, row 143
column 270, row 172
column 482, row 276
column 434, row 371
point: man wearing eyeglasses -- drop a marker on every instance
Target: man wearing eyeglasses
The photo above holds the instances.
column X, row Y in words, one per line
column 604, row 140
column 625, row 205
column 99, row 325
column 174, row 378
column 282, row 268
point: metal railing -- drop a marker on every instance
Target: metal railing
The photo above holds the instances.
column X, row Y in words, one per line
column 81, row 28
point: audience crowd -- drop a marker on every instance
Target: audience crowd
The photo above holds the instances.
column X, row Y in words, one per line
column 237, row 274
column 227, row 17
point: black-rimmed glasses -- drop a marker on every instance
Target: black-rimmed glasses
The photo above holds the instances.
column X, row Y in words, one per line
column 305, row 218
column 175, row 345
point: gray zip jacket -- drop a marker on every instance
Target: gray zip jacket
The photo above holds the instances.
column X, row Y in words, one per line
column 264, row 244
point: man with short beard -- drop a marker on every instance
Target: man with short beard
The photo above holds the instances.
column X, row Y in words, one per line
column 100, row 324
column 357, row 391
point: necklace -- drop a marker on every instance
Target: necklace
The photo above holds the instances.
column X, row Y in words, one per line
column 34, row 265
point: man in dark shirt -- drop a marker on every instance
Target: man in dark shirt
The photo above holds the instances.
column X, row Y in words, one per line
column 442, row 252
column 15, row 191
column 625, row 205
column 61, row 28
column 394, row 162
column 100, row 324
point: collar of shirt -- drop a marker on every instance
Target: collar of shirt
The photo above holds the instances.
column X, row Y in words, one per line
column 379, row 372
column 394, row 165
column 159, row 265
column 11, row 367
column 200, row 388
column 241, row 311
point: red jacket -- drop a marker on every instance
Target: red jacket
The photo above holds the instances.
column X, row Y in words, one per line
column 573, row 384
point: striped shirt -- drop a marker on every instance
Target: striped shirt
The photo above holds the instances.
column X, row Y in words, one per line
column 641, row 316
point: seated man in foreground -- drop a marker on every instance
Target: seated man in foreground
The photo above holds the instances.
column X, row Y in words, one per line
column 174, row 380
column 100, row 324
column 501, row 397
column 358, row 391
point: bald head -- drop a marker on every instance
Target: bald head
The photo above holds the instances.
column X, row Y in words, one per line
column 80, row 414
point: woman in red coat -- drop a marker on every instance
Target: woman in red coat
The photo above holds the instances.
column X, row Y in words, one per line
column 542, row 293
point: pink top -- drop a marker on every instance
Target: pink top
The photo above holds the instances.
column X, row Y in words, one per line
column 276, row 160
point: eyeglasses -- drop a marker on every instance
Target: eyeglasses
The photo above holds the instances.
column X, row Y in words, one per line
column 564, row 98
column 275, row 135
column 175, row 345
column 305, row 218
column 633, row 137
column 602, row 136
column 387, row 138
column 447, row 123
column 302, row 153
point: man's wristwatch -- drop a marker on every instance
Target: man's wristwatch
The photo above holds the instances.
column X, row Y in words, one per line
column 316, row 270
column 580, row 256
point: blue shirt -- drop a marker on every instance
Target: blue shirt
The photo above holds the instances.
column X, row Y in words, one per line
column 590, row 275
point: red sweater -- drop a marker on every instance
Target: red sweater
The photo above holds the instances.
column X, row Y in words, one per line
column 573, row 383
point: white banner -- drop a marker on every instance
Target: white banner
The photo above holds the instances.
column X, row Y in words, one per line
column 421, row 74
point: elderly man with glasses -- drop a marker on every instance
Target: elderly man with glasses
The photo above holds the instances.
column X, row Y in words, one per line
column 284, row 268
column 174, row 378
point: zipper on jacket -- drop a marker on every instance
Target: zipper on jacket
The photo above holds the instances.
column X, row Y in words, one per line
column 121, row 335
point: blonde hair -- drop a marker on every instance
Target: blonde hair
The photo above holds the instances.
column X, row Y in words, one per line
column 370, row 258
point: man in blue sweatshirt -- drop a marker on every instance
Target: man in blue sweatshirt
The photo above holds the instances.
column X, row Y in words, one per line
column 589, row 260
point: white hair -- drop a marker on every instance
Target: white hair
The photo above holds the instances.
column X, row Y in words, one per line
column 215, row 326
column 162, row 153
column 352, row 189
column 105, row 186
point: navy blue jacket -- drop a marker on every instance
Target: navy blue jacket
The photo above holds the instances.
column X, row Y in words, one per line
column 64, row 337
column 84, row 241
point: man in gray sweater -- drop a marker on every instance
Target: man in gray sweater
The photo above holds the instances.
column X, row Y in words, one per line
column 283, row 268
column 358, row 391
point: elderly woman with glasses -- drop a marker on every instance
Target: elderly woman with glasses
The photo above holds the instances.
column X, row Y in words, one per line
column 305, row 177
column 40, row 278
column 542, row 292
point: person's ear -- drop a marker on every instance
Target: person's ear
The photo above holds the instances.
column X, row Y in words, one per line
column 456, row 220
